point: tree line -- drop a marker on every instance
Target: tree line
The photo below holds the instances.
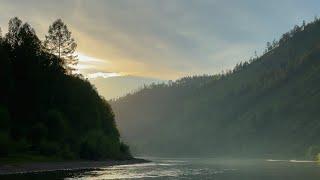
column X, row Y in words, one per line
column 265, row 107
column 45, row 107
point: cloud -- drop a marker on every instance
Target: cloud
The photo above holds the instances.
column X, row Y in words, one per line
column 88, row 64
column 165, row 39
column 103, row 75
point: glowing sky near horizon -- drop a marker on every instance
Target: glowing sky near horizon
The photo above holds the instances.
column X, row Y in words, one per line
column 87, row 64
column 164, row 39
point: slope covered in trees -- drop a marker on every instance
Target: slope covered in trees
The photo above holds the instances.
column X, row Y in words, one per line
column 44, row 109
column 268, row 106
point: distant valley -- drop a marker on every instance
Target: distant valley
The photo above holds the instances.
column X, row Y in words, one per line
column 266, row 106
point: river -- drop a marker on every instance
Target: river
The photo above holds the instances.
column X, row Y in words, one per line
column 192, row 168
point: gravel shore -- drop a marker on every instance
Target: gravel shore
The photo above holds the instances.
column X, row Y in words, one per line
column 63, row 166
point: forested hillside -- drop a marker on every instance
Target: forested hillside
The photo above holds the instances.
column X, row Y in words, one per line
column 46, row 110
column 267, row 106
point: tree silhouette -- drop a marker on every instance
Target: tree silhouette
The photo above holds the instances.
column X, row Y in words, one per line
column 37, row 100
column 13, row 31
column 0, row 35
column 27, row 38
column 60, row 42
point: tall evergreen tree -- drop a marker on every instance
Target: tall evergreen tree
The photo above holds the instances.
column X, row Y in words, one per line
column 13, row 31
column 60, row 42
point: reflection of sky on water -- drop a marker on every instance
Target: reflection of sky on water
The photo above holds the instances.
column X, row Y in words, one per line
column 161, row 169
column 208, row 168
column 135, row 171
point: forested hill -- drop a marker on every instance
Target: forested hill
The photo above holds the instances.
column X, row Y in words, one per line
column 45, row 110
column 267, row 106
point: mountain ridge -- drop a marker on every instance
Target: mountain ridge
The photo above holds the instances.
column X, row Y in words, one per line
column 254, row 109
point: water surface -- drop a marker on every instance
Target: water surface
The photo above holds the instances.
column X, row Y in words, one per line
column 193, row 168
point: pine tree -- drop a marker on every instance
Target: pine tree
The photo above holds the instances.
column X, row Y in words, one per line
column 13, row 32
column 59, row 42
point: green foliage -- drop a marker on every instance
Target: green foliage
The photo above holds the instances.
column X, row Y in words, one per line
column 4, row 119
column 318, row 157
column 125, row 150
column 313, row 152
column 97, row 141
column 4, row 144
column 19, row 146
column 49, row 148
column 267, row 106
column 56, row 121
column 45, row 110
column 38, row 133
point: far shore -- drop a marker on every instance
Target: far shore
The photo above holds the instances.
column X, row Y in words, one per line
column 63, row 166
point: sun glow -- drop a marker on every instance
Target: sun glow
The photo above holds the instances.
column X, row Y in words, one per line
column 103, row 75
column 89, row 62
column 92, row 67
column 85, row 58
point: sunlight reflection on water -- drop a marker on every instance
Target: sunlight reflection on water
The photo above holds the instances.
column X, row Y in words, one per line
column 162, row 169
column 135, row 171
column 219, row 169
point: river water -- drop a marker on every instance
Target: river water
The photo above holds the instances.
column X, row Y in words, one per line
column 193, row 168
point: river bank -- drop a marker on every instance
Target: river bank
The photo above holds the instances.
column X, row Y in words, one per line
column 63, row 166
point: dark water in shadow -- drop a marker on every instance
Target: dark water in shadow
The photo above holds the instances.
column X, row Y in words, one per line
column 192, row 168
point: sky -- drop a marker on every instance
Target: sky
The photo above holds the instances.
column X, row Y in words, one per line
column 163, row 39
